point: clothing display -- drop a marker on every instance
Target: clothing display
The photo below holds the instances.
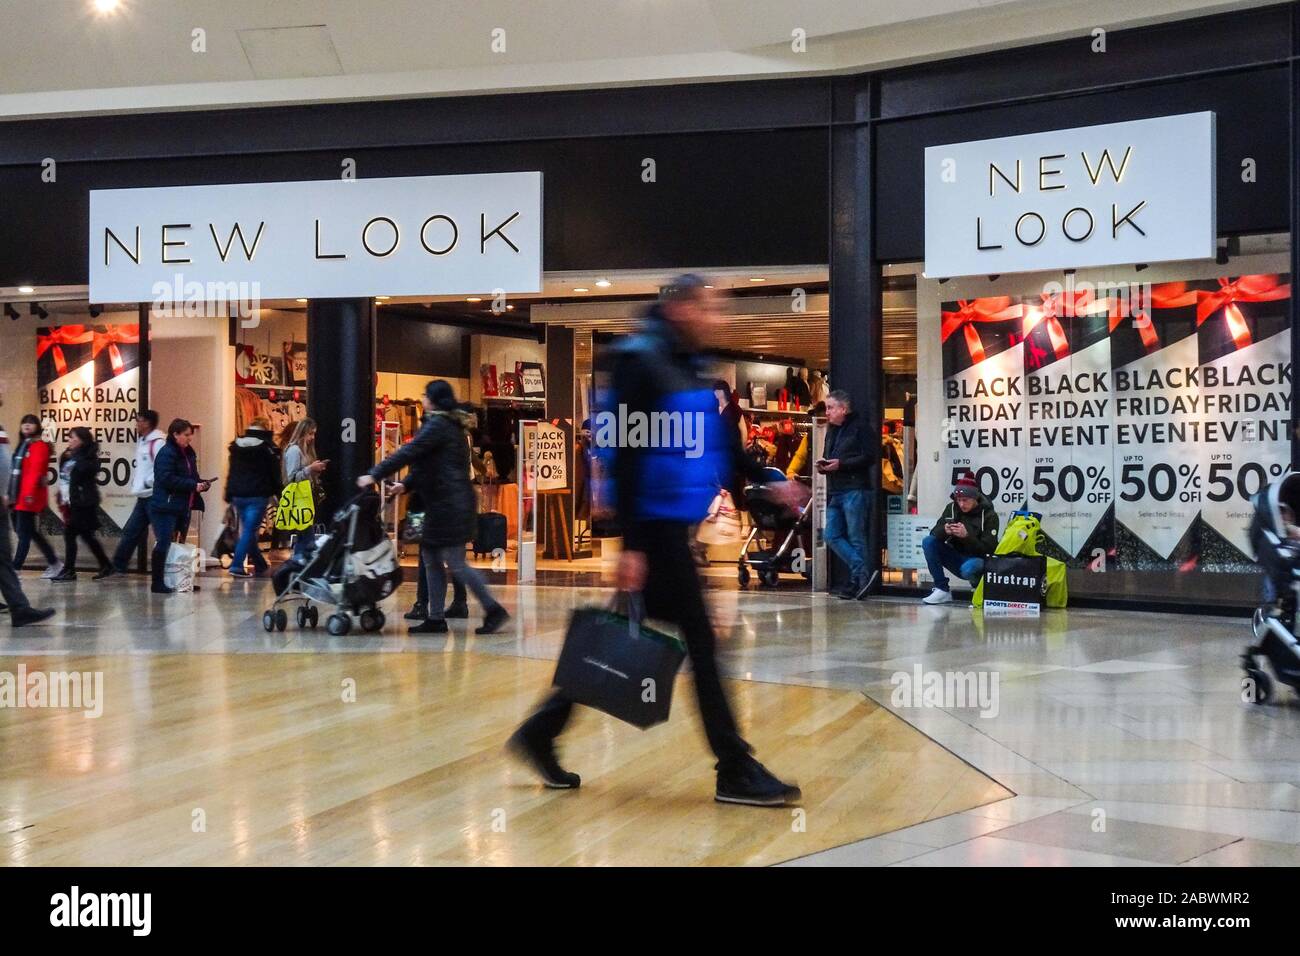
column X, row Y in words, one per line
column 281, row 411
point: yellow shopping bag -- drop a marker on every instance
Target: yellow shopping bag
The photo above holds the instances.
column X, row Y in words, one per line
column 296, row 510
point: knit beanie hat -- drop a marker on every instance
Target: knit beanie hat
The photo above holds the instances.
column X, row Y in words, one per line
column 966, row 486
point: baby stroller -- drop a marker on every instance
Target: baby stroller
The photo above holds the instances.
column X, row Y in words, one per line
column 353, row 567
column 782, row 534
column 1273, row 624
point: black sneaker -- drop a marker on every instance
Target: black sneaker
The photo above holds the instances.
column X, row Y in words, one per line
column 865, row 589
column 847, row 593
column 493, row 621
column 428, row 626
column 106, row 571
column 750, row 783
column 540, row 758
column 31, row 615
column 457, row 611
column 65, row 575
column 418, row 612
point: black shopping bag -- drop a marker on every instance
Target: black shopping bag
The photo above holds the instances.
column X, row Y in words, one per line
column 1015, row 578
column 614, row 663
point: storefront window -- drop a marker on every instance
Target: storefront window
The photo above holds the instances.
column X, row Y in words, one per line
column 1136, row 409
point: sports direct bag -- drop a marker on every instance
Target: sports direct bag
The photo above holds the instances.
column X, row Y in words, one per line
column 614, row 663
column 296, row 509
column 181, row 567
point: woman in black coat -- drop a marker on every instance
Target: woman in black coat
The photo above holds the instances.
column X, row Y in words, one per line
column 438, row 458
column 79, row 495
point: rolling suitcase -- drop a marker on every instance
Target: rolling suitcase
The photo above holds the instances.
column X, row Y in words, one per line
column 490, row 533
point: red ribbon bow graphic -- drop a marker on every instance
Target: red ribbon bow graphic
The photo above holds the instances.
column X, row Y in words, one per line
column 53, row 341
column 1259, row 288
column 1056, row 306
column 970, row 311
column 110, row 339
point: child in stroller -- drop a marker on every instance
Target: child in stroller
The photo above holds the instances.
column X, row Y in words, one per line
column 353, row 568
column 787, row 534
column 1275, row 538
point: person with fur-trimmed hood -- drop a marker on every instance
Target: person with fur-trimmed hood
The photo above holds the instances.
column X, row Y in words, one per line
column 438, row 459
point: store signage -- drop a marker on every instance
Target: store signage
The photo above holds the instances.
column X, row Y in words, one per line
column 550, row 451
column 417, row 235
column 1140, row 191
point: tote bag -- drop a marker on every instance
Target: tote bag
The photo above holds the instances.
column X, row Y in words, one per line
column 296, row 509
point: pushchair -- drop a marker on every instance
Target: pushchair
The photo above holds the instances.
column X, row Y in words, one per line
column 1274, row 623
column 352, row 567
column 782, row 536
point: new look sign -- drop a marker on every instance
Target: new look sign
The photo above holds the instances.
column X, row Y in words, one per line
column 1140, row 191
column 418, row 235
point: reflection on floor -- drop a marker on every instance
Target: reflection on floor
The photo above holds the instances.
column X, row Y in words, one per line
column 1122, row 734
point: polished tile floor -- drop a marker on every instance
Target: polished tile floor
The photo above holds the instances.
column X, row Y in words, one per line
column 1122, row 735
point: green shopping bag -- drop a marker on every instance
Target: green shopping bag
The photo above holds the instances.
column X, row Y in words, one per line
column 296, row 510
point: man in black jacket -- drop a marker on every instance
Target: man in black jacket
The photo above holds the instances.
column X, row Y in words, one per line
column 660, row 491
column 846, row 461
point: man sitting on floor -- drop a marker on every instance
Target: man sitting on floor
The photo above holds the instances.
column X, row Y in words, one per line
column 965, row 534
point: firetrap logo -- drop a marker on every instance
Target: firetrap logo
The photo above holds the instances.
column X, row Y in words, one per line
column 76, row 690
column 75, row 909
column 950, row 690
column 624, row 429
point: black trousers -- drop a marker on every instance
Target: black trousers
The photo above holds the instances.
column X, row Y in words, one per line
column 672, row 594
column 11, row 591
column 81, row 524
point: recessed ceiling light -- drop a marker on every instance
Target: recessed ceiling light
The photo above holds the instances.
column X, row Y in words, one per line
column 300, row 300
column 603, row 283
column 892, row 358
column 474, row 298
column 106, row 6
column 382, row 298
column 708, row 287
column 758, row 278
column 510, row 307
column 25, row 290
column 581, row 289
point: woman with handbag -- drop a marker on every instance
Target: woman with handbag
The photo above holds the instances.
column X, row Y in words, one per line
column 413, row 531
column 79, row 497
column 176, row 485
column 438, row 458
column 252, row 480
column 29, row 495
column 301, row 464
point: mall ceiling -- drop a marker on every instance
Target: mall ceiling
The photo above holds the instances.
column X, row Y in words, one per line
column 79, row 56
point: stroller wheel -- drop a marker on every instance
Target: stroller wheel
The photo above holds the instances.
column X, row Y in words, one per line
column 742, row 575
column 304, row 616
column 268, row 620
column 1256, row 686
column 281, row 619
column 314, row 615
column 338, row 624
column 372, row 619
column 769, row 578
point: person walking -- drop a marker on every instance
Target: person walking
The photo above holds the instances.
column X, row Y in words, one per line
column 176, row 484
column 21, row 612
column 29, row 495
column 847, row 457
column 438, row 458
column 79, row 498
column 252, row 480
column 659, row 493
column 301, row 464
column 149, row 439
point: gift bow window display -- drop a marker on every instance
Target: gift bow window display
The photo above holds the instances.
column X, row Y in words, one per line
column 1256, row 288
column 970, row 313
column 1066, row 304
column 103, row 337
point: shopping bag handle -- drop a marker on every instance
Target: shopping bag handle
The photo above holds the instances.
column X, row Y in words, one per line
column 632, row 604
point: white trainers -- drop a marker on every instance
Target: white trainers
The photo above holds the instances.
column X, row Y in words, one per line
column 938, row 597
column 53, row 571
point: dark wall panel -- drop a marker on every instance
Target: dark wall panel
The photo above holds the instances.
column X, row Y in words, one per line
column 1251, row 122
